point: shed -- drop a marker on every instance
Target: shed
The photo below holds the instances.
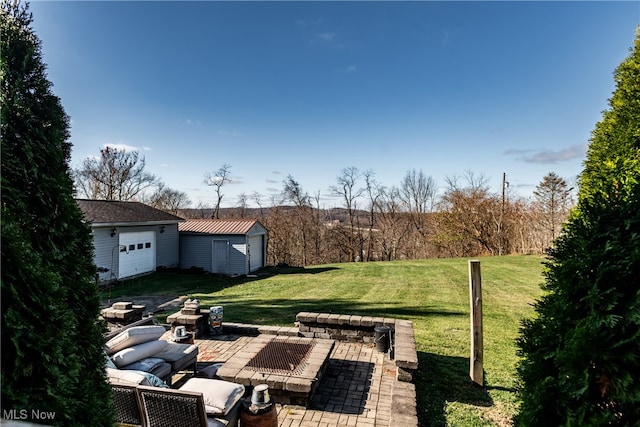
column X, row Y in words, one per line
column 223, row 246
column 130, row 238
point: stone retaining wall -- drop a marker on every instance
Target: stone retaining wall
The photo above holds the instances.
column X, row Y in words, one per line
column 352, row 328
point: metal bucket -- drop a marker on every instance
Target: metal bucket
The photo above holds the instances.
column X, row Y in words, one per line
column 382, row 338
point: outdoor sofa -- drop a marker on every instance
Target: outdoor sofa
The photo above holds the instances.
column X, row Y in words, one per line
column 140, row 367
column 140, row 348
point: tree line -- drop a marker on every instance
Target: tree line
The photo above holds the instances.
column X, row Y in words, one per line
column 372, row 222
column 408, row 221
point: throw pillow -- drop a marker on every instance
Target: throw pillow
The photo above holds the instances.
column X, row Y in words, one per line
column 134, row 336
column 137, row 352
column 219, row 396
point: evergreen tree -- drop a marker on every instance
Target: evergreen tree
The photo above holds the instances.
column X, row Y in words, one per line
column 552, row 198
column 52, row 345
column 581, row 360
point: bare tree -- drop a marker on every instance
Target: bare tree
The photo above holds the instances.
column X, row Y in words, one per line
column 374, row 192
column 217, row 180
column 242, row 204
column 392, row 223
column 303, row 212
column 168, row 199
column 114, row 175
column 466, row 217
column 257, row 198
column 347, row 188
column 418, row 193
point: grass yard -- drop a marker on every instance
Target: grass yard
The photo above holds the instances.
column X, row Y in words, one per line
column 434, row 294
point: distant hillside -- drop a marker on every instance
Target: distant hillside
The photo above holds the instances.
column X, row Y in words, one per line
column 334, row 214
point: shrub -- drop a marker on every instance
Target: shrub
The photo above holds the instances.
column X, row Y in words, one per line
column 51, row 342
column 581, row 355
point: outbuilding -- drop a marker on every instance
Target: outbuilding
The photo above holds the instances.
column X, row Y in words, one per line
column 223, row 246
column 130, row 238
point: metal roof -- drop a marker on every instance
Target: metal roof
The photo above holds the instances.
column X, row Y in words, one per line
column 218, row 226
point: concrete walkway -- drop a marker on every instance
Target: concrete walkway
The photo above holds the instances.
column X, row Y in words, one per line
column 354, row 391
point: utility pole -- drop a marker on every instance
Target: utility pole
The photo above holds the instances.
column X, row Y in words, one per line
column 505, row 184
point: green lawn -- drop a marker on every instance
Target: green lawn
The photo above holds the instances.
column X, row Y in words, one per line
column 434, row 294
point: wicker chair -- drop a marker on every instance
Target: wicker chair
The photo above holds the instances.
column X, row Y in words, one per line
column 125, row 401
column 165, row 407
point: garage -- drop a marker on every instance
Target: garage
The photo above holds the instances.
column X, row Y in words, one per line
column 137, row 253
column 224, row 246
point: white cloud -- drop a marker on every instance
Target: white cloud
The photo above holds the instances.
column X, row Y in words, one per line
column 548, row 156
column 121, row 146
column 146, row 148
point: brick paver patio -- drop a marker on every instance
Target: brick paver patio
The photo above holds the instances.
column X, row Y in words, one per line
column 355, row 389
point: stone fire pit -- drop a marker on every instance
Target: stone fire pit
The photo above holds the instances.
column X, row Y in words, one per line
column 290, row 366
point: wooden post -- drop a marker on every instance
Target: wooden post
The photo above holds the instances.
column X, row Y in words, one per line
column 475, row 295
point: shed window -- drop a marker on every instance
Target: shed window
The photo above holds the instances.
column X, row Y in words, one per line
column 147, row 245
column 139, row 245
column 132, row 247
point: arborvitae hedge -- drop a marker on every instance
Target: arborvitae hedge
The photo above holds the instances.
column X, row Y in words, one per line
column 581, row 363
column 52, row 345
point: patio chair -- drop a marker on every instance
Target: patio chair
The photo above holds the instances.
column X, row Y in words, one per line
column 165, row 407
column 125, row 401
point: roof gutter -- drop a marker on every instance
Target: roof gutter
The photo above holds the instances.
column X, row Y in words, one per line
column 134, row 224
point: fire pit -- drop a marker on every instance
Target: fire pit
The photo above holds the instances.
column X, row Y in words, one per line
column 281, row 357
column 290, row 366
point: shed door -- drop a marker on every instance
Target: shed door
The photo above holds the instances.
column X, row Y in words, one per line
column 255, row 251
column 220, row 260
column 137, row 253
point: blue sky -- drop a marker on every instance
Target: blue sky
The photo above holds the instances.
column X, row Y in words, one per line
column 309, row 88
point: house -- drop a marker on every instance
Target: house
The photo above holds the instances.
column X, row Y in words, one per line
column 130, row 238
column 223, row 246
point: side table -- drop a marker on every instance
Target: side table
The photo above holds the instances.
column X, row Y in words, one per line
column 267, row 417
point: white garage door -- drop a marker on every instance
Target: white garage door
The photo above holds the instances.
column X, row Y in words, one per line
column 255, row 252
column 137, row 253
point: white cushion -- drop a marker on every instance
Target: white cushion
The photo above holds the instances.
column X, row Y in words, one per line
column 219, row 396
column 133, row 336
column 138, row 352
column 147, row 364
column 130, row 377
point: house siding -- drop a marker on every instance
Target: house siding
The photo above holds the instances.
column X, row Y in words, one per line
column 238, row 255
column 105, row 252
column 195, row 251
column 106, row 247
column 256, row 249
column 167, row 246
